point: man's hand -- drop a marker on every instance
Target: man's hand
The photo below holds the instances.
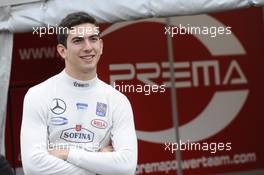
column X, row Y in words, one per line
column 59, row 153
column 107, row 149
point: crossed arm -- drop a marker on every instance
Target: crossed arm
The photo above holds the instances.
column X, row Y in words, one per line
column 63, row 153
column 37, row 159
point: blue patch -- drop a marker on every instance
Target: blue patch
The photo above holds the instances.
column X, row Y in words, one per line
column 101, row 109
column 81, row 106
column 57, row 121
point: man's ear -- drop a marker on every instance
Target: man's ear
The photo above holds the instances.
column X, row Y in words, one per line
column 61, row 50
column 102, row 46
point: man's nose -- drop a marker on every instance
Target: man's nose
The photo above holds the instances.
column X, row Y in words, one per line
column 87, row 45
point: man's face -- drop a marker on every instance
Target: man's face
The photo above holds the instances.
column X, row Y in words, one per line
column 84, row 48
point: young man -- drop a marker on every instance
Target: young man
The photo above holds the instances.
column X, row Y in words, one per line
column 70, row 120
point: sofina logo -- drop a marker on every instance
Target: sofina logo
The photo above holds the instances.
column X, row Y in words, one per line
column 77, row 135
column 216, row 115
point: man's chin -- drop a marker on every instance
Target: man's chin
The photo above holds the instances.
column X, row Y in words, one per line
column 89, row 69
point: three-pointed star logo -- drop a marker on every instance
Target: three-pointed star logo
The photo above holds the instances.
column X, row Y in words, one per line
column 58, row 106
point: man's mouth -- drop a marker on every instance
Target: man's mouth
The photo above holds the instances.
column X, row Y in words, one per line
column 87, row 57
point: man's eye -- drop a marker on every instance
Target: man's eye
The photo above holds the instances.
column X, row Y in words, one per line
column 94, row 39
column 77, row 40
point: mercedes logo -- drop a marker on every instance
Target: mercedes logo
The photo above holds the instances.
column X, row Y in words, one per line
column 58, row 106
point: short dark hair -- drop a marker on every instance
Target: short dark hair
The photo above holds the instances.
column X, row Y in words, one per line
column 71, row 20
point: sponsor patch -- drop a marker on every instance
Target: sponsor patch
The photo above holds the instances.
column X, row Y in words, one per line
column 57, row 121
column 78, row 127
column 79, row 84
column 81, row 136
column 101, row 124
column 81, row 106
column 58, row 106
column 101, row 109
